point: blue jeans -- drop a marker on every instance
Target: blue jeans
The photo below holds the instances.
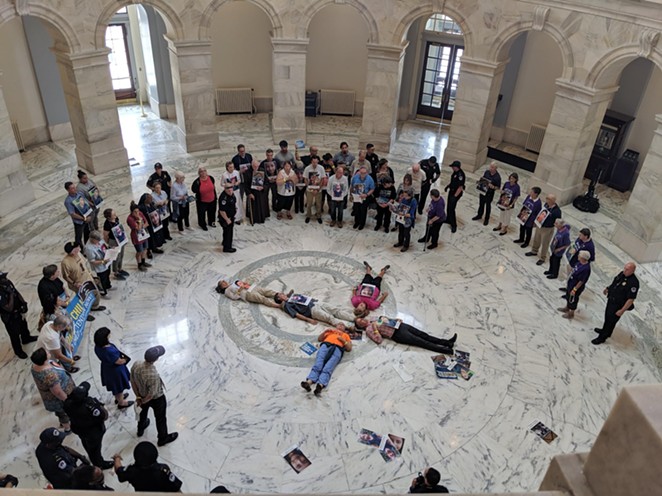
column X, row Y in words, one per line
column 328, row 357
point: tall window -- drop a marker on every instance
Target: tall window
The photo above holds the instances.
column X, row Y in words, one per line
column 120, row 70
column 440, row 23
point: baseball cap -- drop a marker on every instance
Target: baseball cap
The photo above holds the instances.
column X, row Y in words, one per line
column 51, row 435
column 152, row 354
column 80, row 391
column 456, row 163
column 432, row 159
column 158, row 165
column 3, row 274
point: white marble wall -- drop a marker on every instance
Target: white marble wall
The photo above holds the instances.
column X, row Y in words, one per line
column 194, row 94
column 380, row 103
column 639, row 229
column 92, row 110
column 571, row 133
column 475, row 105
column 15, row 189
column 289, row 89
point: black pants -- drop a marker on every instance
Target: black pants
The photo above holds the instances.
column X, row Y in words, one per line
column 425, row 191
column 485, row 205
column 299, row 200
column 104, row 278
column 375, row 281
column 91, row 441
column 525, row 233
column 554, row 265
column 284, row 203
column 404, row 235
column 166, row 228
column 184, row 210
column 17, row 328
column 406, row 334
column 611, row 319
column 81, row 233
column 573, row 300
column 336, row 208
column 159, row 406
column 451, row 220
column 433, row 233
column 383, row 217
column 228, row 234
column 361, row 213
column 272, row 189
column 206, row 212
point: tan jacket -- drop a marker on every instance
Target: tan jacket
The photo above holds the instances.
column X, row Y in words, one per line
column 75, row 271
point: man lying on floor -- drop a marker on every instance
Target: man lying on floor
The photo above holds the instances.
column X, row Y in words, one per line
column 380, row 328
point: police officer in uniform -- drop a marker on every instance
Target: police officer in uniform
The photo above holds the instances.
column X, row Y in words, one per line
column 12, row 308
column 432, row 172
column 621, row 294
column 57, row 462
column 227, row 208
column 88, row 420
column 146, row 474
column 455, row 190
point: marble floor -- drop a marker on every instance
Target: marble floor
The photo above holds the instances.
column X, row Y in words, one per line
column 232, row 370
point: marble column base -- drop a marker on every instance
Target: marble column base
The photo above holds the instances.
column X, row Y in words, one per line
column 15, row 189
column 197, row 142
column 104, row 161
column 640, row 249
column 565, row 474
column 471, row 161
column 622, row 460
column 382, row 142
column 289, row 134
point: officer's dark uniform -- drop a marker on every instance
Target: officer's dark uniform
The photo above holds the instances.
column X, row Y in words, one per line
column 621, row 289
column 457, row 181
column 155, row 477
column 57, row 462
column 432, row 173
column 12, row 305
column 88, row 417
column 227, row 203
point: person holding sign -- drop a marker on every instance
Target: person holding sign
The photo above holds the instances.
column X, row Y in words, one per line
column 576, row 284
column 509, row 195
column 154, row 224
column 527, row 216
column 334, row 344
column 337, row 188
column 380, row 328
column 405, row 218
column 544, row 223
column 75, row 272
column 137, row 222
column 258, row 200
column 385, row 195
column 312, row 176
column 488, row 184
column 91, row 192
column 95, row 252
column 161, row 202
column 367, row 296
column 80, row 211
column 366, row 186
column 115, row 237
column 285, row 182
column 560, row 243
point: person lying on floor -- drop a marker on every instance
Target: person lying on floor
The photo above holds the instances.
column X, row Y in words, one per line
column 380, row 328
column 241, row 290
column 334, row 344
column 367, row 296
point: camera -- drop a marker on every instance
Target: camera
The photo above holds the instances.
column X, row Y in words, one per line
column 420, row 480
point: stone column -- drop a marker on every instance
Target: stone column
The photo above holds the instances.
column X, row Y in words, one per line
column 573, row 127
column 90, row 99
column 15, row 189
column 475, row 104
column 190, row 63
column 289, row 89
column 639, row 229
column 382, row 93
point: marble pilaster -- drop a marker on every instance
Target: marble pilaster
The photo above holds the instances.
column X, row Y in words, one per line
column 289, row 89
column 639, row 229
column 571, row 132
column 92, row 109
column 382, row 92
column 190, row 62
column 475, row 104
column 15, row 189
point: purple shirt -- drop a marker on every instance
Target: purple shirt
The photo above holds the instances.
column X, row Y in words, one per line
column 437, row 208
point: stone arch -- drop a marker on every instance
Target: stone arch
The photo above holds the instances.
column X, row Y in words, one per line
column 264, row 5
column 173, row 23
column 607, row 70
column 314, row 8
column 56, row 24
column 426, row 11
column 503, row 40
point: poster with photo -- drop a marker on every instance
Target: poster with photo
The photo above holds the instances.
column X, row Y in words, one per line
column 387, row 450
column 300, row 181
column 337, row 192
column 257, row 183
column 81, row 205
column 296, row 459
column 524, row 215
column 543, row 432
column 120, row 235
column 155, row 220
column 164, row 213
column 389, row 322
column 483, row 185
column 367, row 290
column 308, row 348
column 314, row 181
column 541, row 217
column 142, row 235
column 504, row 199
column 300, row 299
column 272, row 171
column 95, row 196
column 357, row 191
column 401, row 210
column 366, row 436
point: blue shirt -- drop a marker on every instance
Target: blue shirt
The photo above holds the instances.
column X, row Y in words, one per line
column 368, row 183
column 578, row 246
column 535, row 206
column 580, row 272
column 437, row 209
column 515, row 191
column 561, row 239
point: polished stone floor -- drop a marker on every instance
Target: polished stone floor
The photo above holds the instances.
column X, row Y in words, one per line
column 232, row 370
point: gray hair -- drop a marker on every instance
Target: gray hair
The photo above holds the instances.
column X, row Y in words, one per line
column 95, row 235
column 584, row 255
column 61, row 321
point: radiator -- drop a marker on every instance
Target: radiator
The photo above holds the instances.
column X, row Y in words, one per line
column 337, row 102
column 17, row 136
column 234, row 100
column 534, row 140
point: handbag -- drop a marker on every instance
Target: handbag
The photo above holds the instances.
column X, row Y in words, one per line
column 126, row 357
